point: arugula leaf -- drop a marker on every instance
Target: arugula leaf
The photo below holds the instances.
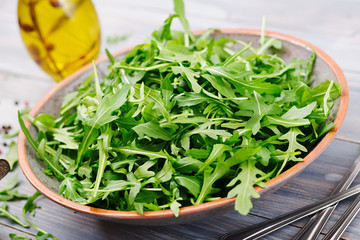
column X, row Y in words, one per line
column 325, row 88
column 152, row 130
column 116, row 185
column 39, row 236
column 36, row 148
column 12, row 195
column 259, row 109
column 133, row 150
column 8, row 193
column 102, row 116
column 210, row 177
column 103, row 145
column 222, row 86
column 191, row 183
column 68, row 188
column 164, row 33
column 242, row 155
column 175, row 207
column 189, row 75
column 240, row 82
column 30, row 207
column 135, row 189
column 167, row 90
column 143, row 170
column 4, row 213
column 188, row 164
column 11, row 155
column 269, row 120
column 180, row 11
column 299, row 113
column 291, row 136
column 202, row 130
column 165, row 174
column 216, row 152
column 20, row 237
column 248, row 177
column 11, row 183
column 153, row 97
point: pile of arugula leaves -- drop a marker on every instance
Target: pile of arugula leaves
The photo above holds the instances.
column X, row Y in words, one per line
column 182, row 120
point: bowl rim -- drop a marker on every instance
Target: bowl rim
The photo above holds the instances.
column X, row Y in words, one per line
column 343, row 105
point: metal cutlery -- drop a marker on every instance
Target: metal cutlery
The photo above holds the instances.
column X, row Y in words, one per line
column 344, row 221
column 263, row 228
column 314, row 226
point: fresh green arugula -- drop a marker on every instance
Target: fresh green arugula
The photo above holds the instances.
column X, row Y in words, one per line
column 30, row 207
column 8, row 193
column 184, row 119
column 39, row 236
column 11, row 155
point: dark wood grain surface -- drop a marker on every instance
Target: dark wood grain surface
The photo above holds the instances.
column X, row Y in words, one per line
column 332, row 25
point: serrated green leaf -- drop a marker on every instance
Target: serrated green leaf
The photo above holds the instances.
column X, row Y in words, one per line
column 30, row 207
column 244, row 191
column 238, row 79
column 299, row 113
column 152, row 130
column 165, row 174
column 69, row 188
column 11, row 155
column 143, row 170
column 273, row 120
column 187, row 164
column 210, row 177
column 4, row 213
column 190, row 75
column 175, row 208
column 191, row 183
column 18, row 237
column 180, row 11
column 217, row 151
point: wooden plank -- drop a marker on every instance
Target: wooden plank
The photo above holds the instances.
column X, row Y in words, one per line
column 66, row 225
column 352, row 119
column 5, row 230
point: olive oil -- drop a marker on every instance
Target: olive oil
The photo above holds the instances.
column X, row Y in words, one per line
column 60, row 35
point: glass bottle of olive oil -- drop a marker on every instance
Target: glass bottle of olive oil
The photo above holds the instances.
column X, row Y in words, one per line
column 60, row 35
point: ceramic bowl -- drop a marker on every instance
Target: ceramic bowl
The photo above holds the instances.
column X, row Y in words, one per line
column 325, row 68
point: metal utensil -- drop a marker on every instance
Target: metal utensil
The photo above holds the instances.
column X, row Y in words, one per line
column 263, row 228
column 340, row 226
column 4, row 168
column 314, row 226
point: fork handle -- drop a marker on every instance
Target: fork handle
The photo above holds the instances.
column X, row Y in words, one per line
column 340, row 226
column 261, row 229
column 314, row 226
